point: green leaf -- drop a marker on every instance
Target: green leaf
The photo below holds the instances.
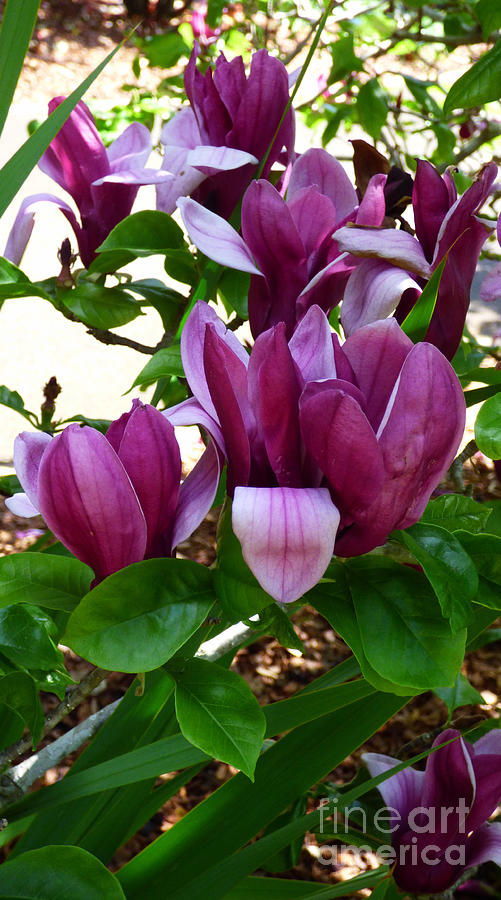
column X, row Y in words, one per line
column 9, row 273
column 168, row 303
column 344, row 59
column 24, row 639
column 101, row 307
column 234, row 289
column 372, row 108
column 488, row 428
column 144, row 234
column 19, row 166
column 165, row 50
column 277, row 623
column 404, row 635
column 446, row 143
column 485, row 551
column 447, row 567
column 478, row 395
column 19, row 692
column 14, row 401
column 56, row 873
column 17, row 26
column 453, row 511
column 416, row 323
column 462, row 693
column 257, row 888
column 238, row 591
column 136, row 619
column 101, row 425
column 9, row 485
column 163, row 363
column 489, row 13
column 54, row 582
column 478, row 85
column 218, row 712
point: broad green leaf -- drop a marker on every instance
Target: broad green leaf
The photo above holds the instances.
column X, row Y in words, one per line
column 344, row 59
column 163, row 363
column 99, row 424
column 101, row 307
column 494, row 526
column 485, row 551
column 283, row 773
column 9, row 485
column 404, row 635
column 277, row 623
column 447, row 567
column 478, row 85
column 19, row 692
column 17, row 26
column 415, row 324
column 218, row 712
column 14, row 401
column 489, row 13
column 54, row 582
column 478, row 395
column 238, row 591
column 491, row 636
column 136, row 619
column 19, row 166
column 109, row 261
column 234, row 289
column 164, row 50
column 169, row 304
column 372, row 108
column 454, row 511
column 145, row 233
column 57, row 873
column 488, row 427
column 462, row 693
column 24, row 638
column 487, row 375
column 446, row 143
column 9, row 273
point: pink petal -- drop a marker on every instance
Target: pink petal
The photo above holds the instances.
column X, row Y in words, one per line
column 311, row 346
column 317, row 168
column 20, row 505
column 219, row 159
column 396, row 247
column 373, row 292
column 20, row 232
column 490, row 289
column 131, row 148
column 196, row 494
column 401, row 792
column 29, row 447
column 372, row 209
column 287, row 536
column 215, row 237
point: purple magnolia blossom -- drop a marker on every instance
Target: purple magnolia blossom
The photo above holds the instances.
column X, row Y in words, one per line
column 399, row 265
column 490, row 289
column 114, row 499
column 213, row 146
column 291, row 241
column 318, row 436
column 102, row 182
column 438, row 817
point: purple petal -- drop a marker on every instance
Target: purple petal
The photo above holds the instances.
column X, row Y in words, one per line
column 376, row 354
column 20, row 505
column 421, row 430
column 373, row 292
column 317, row 168
column 372, row 209
column 489, row 743
column 182, row 130
column 340, row 439
column 215, row 237
column 227, row 382
column 487, row 769
column 287, row 536
column 20, row 232
column 459, row 216
column 150, row 454
column 278, row 396
column 196, row 494
column 314, row 217
column 311, row 346
column 190, row 412
column 484, row 846
column 137, row 175
column 449, row 778
column 490, row 289
column 230, row 81
column 29, row 447
column 131, row 148
column 192, row 351
column 401, row 792
column 88, row 501
column 185, row 179
column 396, row 247
column 219, row 159
column 211, row 113
column 116, row 430
column 327, row 287
column 431, row 202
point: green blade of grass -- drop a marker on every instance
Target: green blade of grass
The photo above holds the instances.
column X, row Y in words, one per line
column 17, row 27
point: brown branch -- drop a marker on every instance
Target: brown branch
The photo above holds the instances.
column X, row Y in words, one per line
column 474, row 36
column 109, row 337
column 491, row 131
column 73, row 699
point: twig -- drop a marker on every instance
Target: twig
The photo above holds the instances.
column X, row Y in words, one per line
column 109, row 337
column 491, row 131
column 18, row 779
column 456, row 469
column 450, row 40
column 74, row 697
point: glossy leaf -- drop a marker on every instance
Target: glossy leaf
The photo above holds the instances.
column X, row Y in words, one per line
column 479, row 85
column 54, row 582
column 14, row 401
column 136, row 619
column 454, row 511
column 163, row 363
column 448, row 568
column 489, row 13
column 372, row 108
column 488, row 428
column 218, row 712
column 56, row 873
column 238, row 591
column 144, row 233
column 19, row 692
column 101, row 307
column 24, row 638
column 462, row 693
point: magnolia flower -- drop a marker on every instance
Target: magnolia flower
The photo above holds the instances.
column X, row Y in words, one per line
column 102, row 182
column 114, row 499
column 213, row 146
column 287, row 245
column 399, row 265
column 324, row 444
column 438, row 816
